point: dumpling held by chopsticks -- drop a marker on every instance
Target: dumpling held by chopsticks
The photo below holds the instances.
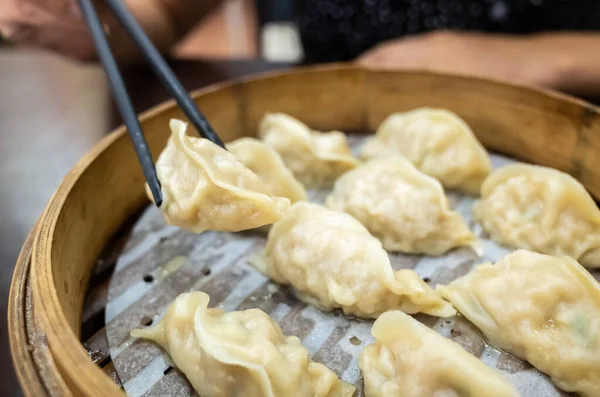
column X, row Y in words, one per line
column 207, row 188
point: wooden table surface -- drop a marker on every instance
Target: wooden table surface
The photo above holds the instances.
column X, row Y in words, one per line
column 51, row 112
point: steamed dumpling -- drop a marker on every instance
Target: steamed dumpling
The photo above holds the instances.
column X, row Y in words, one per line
column 242, row 353
column 332, row 261
column 207, row 188
column 541, row 209
column 543, row 309
column 438, row 143
column 268, row 165
column 409, row 359
column 315, row 158
column 404, row 208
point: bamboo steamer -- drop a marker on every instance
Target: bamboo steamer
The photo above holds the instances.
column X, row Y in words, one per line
column 106, row 187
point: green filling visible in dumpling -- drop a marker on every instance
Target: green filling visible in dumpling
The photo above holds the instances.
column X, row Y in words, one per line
column 580, row 326
column 461, row 391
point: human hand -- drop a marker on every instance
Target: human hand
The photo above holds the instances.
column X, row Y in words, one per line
column 56, row 25
column 520, row 59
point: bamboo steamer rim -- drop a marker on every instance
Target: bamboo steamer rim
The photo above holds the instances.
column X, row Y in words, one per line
column 22, row 359
column 80, row 374
column 19, row 301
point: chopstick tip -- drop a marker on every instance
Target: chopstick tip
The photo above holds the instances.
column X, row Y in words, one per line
column 157, row 195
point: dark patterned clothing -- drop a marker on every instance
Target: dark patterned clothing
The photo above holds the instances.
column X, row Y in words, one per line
column 336, row 30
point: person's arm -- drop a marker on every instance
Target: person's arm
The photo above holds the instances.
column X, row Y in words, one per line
column 58, row 25
column 564, row 61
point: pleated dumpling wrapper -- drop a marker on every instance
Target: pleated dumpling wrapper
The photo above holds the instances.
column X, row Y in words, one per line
column 543, row 309
column 438, row 143
column 409, row 359
column 401, row 206
column 332, row 261
column 268, row 165
column 240, row 353
column 541, row 209
column 207, row 188
column 317, row 159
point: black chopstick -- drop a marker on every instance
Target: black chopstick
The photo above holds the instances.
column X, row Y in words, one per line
column 163, row 71
column 165, row 75
column 122, row 98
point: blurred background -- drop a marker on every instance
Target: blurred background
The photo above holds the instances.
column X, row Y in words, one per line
column 53, row 107
column 246, row 29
